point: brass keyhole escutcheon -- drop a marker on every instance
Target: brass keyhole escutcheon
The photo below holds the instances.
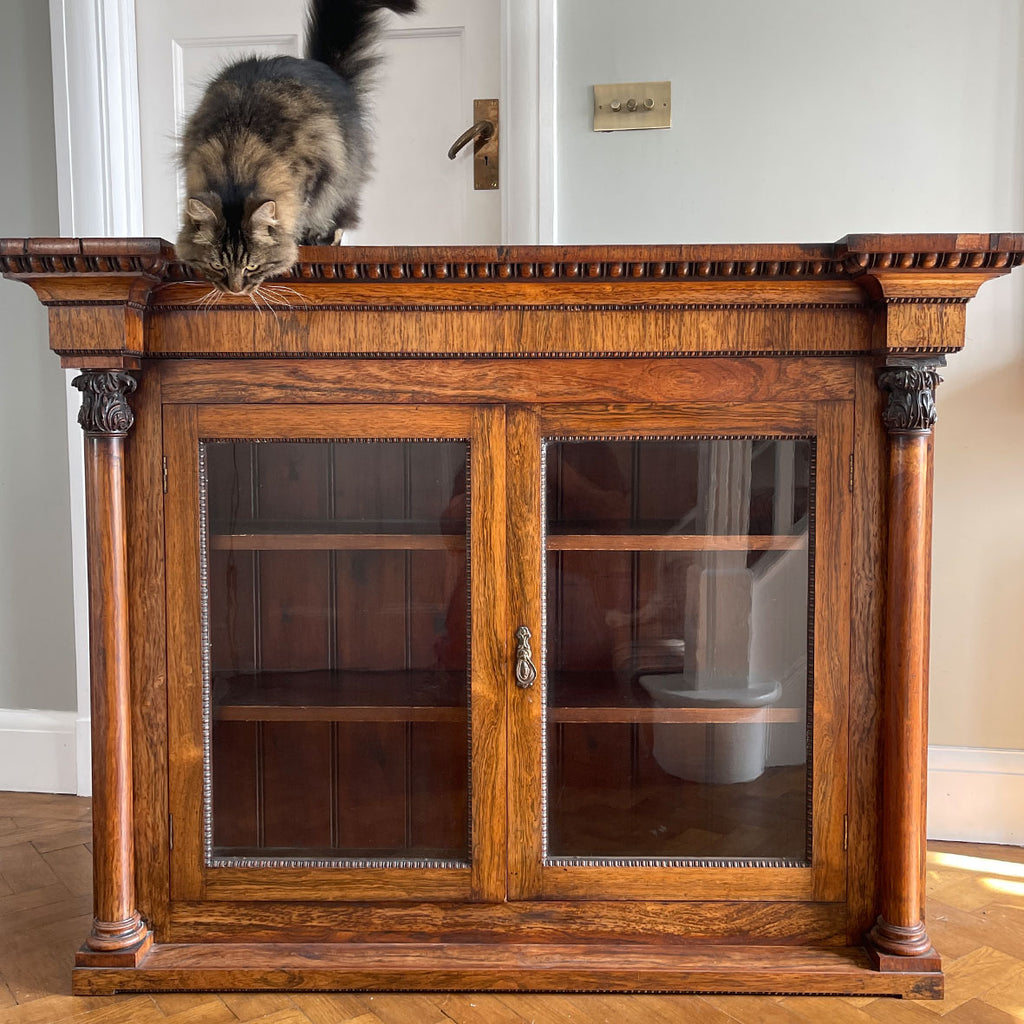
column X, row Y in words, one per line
column 526, row 672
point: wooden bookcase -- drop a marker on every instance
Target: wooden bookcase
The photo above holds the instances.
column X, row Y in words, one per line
column 520, row 618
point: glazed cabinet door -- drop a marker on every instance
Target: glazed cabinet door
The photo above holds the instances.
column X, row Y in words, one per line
column 679, row 721
column 336, row 701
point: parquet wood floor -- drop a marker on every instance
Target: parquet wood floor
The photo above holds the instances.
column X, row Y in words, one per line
column 975, row 916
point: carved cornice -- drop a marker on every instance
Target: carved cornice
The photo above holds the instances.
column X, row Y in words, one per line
column 24, row 257
column 21, row 257
column 912, row 268
column 910, row 408
column 488, row 265
column 915, row 269
column 105, row 410
column 860, row 262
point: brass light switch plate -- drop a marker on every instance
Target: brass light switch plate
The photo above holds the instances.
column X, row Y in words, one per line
column 629, row 105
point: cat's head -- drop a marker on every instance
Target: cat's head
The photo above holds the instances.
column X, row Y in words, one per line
column 235, row 248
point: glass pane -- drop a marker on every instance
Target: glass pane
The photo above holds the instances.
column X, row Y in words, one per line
column 676, row 648
column 337, row 676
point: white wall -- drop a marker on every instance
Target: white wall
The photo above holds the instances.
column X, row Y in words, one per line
column 37, row 668
column 792, row 120
column 798, row 120
column 36, row 636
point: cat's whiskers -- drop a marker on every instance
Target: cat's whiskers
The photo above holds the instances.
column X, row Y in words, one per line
column 283, row 289
column 258, row 293
column 268, row 296
column 272, row 301
column 203, row 299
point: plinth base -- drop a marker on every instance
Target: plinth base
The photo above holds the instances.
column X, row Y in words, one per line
column 512, row 967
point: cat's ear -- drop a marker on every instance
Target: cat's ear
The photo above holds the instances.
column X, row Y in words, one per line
column 199, row 211
column 264, row 216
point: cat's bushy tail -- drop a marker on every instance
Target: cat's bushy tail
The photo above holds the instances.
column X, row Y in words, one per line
column 342, row 34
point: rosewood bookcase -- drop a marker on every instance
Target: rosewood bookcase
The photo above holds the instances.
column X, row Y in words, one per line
column 511, row 618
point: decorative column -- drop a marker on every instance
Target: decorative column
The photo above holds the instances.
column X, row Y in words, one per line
column 898, row 940
column 106, row 418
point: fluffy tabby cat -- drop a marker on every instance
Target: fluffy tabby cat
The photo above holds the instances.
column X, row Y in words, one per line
column 278, row 150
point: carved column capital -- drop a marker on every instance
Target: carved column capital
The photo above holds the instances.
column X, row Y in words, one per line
column 105, row 409
column 910, row 387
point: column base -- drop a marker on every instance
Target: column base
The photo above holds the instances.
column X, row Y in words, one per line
column 894, row 947
column 130, row 956
column 114, row 936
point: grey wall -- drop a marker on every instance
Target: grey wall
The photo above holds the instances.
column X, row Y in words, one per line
column 803, row 120
column 37, row 667
column 793, row 120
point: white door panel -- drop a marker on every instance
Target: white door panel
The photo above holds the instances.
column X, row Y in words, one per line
column 435, row 64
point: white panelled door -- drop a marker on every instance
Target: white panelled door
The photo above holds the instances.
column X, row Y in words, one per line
column 435, row 64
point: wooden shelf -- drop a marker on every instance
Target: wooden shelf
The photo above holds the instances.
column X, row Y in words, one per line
column 336, row 542
column 602, row 698
column 342, row 696
column 663, row 716
column 321, row 535
column 335, row 853
column 672, row 542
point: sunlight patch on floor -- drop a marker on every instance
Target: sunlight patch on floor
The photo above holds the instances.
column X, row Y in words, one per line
column 983, row 865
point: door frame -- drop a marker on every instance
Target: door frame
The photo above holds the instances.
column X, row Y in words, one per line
column 96, row 118
column 99, row 188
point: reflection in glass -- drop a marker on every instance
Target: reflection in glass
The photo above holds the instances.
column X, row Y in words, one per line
column 337, row 590
column 677, row 589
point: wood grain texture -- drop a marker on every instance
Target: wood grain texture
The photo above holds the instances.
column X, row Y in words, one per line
column 900, row 929
column 489, row 643
column 510, row 967
column 511, row 333
column 831, row 711
column 364, row 422
column 412, row 381
column 868, row 601
column 525, row 608
column 117, row 925
column 184, row 655
column 696, row 419
column 641, row 921
column 148, row 647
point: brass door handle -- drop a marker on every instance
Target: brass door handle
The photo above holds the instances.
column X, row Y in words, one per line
column 483, row 129
column 526, row 672
column 483, row 134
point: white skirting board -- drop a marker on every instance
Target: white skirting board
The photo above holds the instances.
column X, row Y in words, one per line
column 976, row 795
column 37, row 751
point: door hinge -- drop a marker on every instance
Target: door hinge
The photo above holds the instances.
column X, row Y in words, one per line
column 170, row 831
column 846, row 831
column 851, row 472
column 165, row 474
